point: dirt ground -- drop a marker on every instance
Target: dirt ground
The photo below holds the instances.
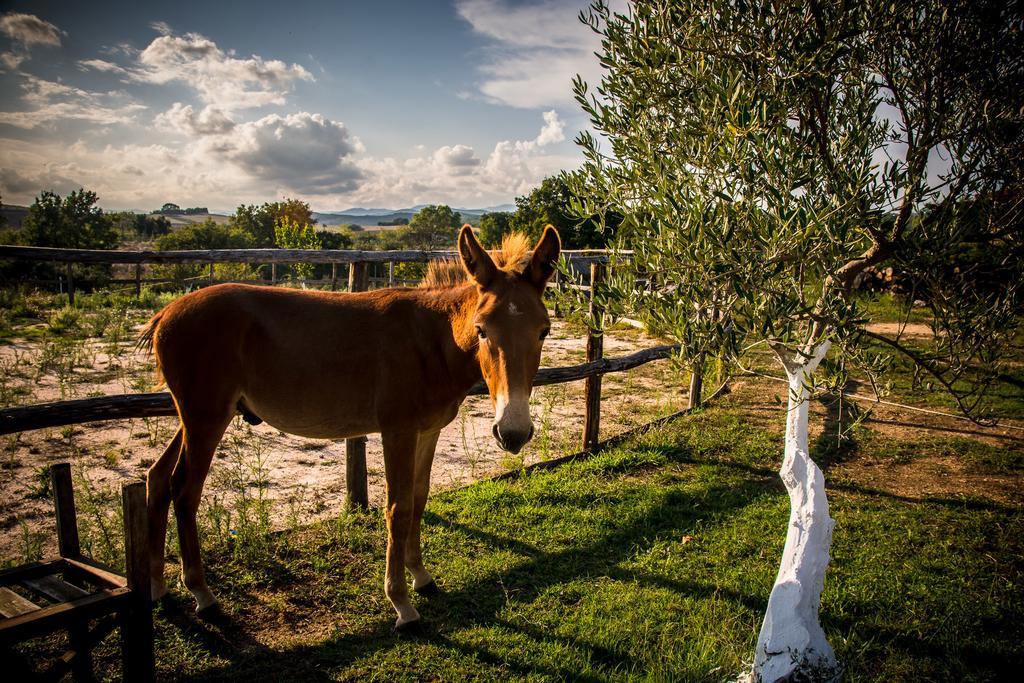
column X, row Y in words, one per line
column 306, row 476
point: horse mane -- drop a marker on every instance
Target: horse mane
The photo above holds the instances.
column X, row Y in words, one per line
column 512, row 257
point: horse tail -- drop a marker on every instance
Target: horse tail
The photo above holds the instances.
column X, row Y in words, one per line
column 146, row 341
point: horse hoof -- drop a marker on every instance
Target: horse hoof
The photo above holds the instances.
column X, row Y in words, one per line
column 408, row 627
column 429, row 589
column 212, row 614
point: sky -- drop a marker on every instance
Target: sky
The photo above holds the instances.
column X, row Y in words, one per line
column 376, row 104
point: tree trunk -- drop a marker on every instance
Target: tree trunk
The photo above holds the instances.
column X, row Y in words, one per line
column 791, row 641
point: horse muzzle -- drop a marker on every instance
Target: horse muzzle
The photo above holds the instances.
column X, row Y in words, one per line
column 511, row 440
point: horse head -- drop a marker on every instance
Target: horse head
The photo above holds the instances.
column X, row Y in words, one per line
column 511, row 323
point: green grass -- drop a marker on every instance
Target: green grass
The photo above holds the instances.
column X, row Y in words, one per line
column 652, row 561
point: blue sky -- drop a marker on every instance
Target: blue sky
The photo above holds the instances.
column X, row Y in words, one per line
column 383, row 103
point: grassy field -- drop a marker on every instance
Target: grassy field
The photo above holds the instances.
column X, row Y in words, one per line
column 652, row 560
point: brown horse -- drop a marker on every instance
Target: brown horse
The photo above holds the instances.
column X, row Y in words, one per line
column 337, row 365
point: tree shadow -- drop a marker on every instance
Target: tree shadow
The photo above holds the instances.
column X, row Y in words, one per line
column 836, row 443
column 990, row 434
column 482, row 600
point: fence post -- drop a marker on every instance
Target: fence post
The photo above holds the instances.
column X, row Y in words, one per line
column 137, row 619
column 211, row 273
column 355, row 448
column 558, row 291
column 273, row 273
column 595, row 351
column 68, row 546
column 138, row 280
column 391, row 273
column 64, row 507
column 358, row 277
column 696, row 383
column 334, row 276
column 355, row 473
column 71, row 285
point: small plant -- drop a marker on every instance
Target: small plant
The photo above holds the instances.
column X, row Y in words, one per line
column 100, row 520
column 31, row 543
column 98, row 322
column 64, row 321
column 41, row 482
column 242, row 516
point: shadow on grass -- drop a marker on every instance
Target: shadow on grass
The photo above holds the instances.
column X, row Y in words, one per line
column 988, row 434
column 481, row 601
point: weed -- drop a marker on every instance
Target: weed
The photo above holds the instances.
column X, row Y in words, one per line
column 65, row 321
column 245, row 512
column 31, row 543
column 40, row 482
column 100, row 519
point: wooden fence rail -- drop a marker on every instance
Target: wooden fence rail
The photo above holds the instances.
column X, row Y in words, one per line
column 95, row 256
column 159, row 404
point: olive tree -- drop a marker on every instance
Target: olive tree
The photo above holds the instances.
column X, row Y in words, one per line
column 762, row 155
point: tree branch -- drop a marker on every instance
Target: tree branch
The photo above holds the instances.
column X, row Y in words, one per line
column 921, row 362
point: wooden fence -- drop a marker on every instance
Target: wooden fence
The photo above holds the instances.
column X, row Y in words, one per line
column 355, row 259
column 160, row 404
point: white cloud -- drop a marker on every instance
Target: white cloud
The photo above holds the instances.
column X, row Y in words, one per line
column 456, row 175
column 50, row 177
column 50, row 101
column 12, row 60
column 102, row 65
column 302, row 155
column 28, row 29
column 219, row 78
column 303, row 152
column 161, row 27
column 183, row 118
column 457, row 160
column 553, row 130
column 540, row 47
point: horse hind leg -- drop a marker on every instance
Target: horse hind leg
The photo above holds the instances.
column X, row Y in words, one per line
column 202, row 433
column 158, row 500
column 422, row 580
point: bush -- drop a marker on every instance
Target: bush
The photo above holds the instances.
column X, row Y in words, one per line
column 74, row 222
column 205, row 235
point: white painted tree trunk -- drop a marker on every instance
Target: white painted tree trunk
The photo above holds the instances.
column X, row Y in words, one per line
column 791, row 638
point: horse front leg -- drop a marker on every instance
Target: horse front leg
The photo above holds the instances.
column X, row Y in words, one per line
column 422, row 581
column 399, row 475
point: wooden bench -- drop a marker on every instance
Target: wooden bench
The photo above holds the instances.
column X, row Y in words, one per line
column 70, row 591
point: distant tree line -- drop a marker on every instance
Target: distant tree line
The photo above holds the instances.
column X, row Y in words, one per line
column 75, row 221
column 548, row 204
column 175, row 210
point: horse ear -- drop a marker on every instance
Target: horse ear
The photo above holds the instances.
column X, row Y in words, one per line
column 545, row 255
column 475, row 260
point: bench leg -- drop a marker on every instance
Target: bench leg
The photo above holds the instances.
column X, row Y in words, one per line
column 137, row 619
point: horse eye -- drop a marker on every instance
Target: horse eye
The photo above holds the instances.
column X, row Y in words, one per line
column 544, row 334
column 480, row 332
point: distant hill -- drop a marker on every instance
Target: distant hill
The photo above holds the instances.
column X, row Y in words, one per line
column 181, row 220
column 373, row 217
column 14, row 214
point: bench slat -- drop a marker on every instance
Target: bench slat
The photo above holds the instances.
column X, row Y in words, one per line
column 13, row 605
column 53, row 588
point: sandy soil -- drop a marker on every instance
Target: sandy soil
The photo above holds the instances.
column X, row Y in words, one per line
column 306, row 476
column 921, row 475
